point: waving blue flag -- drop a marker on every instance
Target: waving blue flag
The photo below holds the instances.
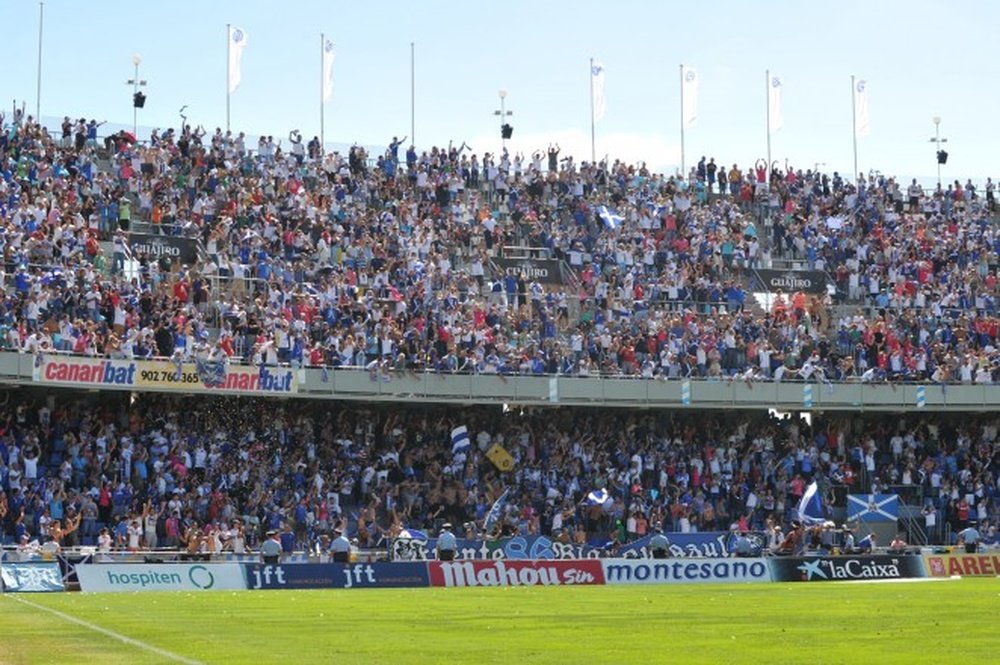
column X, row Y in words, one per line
column 496, row 511
column 811, row 506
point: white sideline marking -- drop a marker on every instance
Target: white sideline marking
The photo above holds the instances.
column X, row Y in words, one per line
column 109, row 633
column 902, row 580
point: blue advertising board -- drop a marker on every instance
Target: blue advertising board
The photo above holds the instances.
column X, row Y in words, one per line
column 336, row 575
column 34, row 577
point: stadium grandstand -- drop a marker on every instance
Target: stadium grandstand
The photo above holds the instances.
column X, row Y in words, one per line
column 205, row 340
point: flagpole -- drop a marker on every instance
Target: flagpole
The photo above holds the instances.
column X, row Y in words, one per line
column 683, row 171
column 593, row 143
column 767, row 96
column 322, row 105
column 854, row 127
column 38, row 83
column 413, row 94
column 229, row 45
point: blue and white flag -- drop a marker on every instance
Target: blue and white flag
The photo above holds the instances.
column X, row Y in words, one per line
column 873, row 507
column 460, row 443
column 610, row 219
column 597, row 497
column 811, row 506
column 237, row 42
column 413, row 534
column 211, row 372
column 496, row 511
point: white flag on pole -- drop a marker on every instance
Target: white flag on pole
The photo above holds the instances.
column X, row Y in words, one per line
column 237, row 42
column 690, row 93
column 775, row 121
column 861, row 123
column 597, row 82
column 327, row 69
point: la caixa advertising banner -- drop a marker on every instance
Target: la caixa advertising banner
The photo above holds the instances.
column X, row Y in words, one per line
column 840, row 568
column 515, row 573
column 336, row 575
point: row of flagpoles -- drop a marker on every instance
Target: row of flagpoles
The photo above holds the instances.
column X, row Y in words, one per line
column 236, row 42
column 689, row 84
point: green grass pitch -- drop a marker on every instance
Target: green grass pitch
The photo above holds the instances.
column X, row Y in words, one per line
column 934, row 622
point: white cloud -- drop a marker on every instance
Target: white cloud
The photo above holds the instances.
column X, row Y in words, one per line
column 661, row 154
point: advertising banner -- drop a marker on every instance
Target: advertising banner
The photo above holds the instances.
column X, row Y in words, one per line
column 337, row 576
column 966, row 565
column 160, row 577
column 706, row 544
column 179, row 249
column 163, row 375
column 546, row 271
column 31, row 577
column 686, row 571
column 790, row 281
column 515, row 573
column 839, row 568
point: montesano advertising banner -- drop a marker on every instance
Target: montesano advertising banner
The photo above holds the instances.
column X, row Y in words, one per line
column 178, row 249
column 164, row 375
column 515, row 573
column 337, row 576
column 545, row 271
column 790, row 281
column 840, row 568
column 966, row 565
column 160, row 577
column 685, row 571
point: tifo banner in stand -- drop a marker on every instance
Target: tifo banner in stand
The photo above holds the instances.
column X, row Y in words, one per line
column 515, row 573
column 684, row 571
column 337, row 575
column 840, row 568
column 163, row 375
column 31, row 577
column 177, row 248
column 545, row 271
column 160, row 577
column 790, row 281
column 966, row 565
column 702, row 544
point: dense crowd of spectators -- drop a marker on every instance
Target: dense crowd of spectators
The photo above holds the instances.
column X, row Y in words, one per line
column 214, row 474
column 334, row 260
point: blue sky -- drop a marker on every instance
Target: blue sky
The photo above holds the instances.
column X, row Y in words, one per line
column 920, row 59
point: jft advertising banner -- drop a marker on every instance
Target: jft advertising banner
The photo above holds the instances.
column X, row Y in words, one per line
column 839, row 568
column 33, row 577
column 684, row 571
column 164, row 375
column 337, row 575
column 160, row 577
column 515, row 573
column 966, row 565
column 707, row 544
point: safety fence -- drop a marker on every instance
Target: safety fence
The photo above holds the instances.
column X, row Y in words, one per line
column 229, row 576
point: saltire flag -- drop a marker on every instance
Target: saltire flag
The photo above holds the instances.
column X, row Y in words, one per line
column 774, row 118
column 460, row 442
column 328, row 56
column 237, row 42
column 811, row 506
column 873, row 507
column 610, row 219
column 212, row 373
column 597, row 497
column 597, row 85
column 496, row 511
column 861, row 121
column 689, row 90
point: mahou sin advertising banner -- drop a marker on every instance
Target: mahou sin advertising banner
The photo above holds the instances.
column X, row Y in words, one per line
column 515, row 573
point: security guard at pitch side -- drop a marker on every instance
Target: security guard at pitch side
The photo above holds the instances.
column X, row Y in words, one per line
column 658, row 544
column 270, row 549
column 341, row 547
column 446, row 543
